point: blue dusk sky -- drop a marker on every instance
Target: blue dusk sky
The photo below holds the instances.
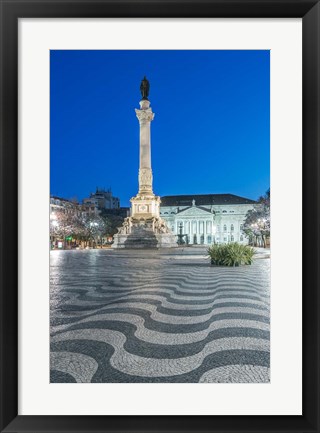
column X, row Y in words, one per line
column 210, row 134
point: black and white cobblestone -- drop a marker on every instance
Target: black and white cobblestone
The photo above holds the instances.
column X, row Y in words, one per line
column 152, row 316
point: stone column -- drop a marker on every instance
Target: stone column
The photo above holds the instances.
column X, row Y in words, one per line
column 145, row 116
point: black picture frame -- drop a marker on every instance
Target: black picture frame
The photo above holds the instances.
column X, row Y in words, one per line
column 11, row 11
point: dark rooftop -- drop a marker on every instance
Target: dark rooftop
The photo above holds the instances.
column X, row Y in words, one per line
column 204, row 199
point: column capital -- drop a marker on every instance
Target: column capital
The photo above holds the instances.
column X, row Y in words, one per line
column 144, row 115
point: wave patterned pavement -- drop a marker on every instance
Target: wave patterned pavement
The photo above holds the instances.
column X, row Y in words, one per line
column 157, row 316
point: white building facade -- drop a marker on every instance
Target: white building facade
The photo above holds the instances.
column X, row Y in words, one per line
column 206, row 219
column 62, row 205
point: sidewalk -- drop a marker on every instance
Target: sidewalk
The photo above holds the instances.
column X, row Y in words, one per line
column 262, row 253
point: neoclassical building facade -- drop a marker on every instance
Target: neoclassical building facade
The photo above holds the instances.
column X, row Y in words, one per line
column 206, row 219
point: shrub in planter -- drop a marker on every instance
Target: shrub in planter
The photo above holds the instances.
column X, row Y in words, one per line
column 216, row 254
column 232, row 254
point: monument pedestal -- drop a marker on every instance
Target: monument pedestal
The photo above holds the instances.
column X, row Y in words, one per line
column 144, row 233
column 145, row 205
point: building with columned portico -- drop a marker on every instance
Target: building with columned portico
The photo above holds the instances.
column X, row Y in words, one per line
column 208, row 218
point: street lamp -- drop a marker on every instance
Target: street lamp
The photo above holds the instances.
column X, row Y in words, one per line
column 54, row 223
column 93, row 224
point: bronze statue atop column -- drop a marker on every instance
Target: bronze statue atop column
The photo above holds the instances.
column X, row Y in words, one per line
column 144, row 88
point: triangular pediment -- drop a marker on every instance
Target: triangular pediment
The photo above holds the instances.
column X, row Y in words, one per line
column 194, row 211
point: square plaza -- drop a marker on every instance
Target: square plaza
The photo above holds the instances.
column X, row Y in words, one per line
column 152, row 308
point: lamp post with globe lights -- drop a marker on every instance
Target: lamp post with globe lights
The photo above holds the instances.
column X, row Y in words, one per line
column 53, row 228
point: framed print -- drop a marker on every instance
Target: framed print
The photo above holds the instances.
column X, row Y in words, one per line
column 159, row 218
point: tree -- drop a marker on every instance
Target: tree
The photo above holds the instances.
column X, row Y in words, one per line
column 63, row 225
column 257, row 223
column 78, row 226
column 112, row 221
column 92, row 229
